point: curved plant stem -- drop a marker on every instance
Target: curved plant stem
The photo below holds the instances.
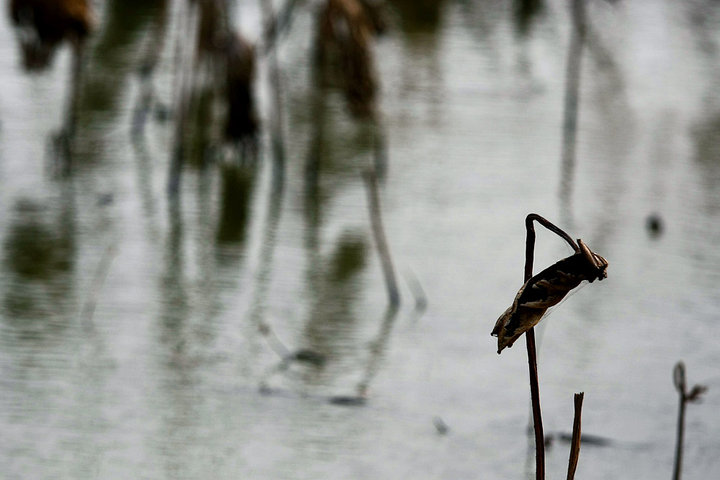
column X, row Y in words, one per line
column 530, row 339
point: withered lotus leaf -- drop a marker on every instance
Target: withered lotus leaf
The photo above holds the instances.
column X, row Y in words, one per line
column 546, row 289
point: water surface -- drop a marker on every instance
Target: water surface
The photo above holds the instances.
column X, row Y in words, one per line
column 134, row 332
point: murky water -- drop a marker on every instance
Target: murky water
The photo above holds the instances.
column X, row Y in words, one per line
column 135, row 334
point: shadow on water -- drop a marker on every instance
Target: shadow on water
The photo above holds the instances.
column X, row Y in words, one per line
column 39, row 253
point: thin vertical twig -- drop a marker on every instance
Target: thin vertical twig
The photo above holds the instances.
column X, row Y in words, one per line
column 679, row 377
column 576, row 436
column 532, row 361
column 685, row 396
column 537, row 415
column 530, row 339
column 373, row 196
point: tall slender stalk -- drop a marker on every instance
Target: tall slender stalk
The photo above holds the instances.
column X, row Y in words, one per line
column 677, row 467
column 537, row 415
column 530, row 339
column 532, row 359
column 692, row 396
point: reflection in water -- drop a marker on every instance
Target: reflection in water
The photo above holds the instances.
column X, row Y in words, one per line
column 277, row 136
column 215, row 102
column 704, row 17
column 585, row 37
column 572, row 100
column 377, row 351
column 707, row 155
column 173, row 292
column 42, row 26
column 235, row 202
column 331, row 162
column 525, row 12
column 175, row 374
column 261, row 282
column 334, row 288
column 344, row 53
column 313, row 162
column 144, row 176
column 39, row 253
column 162, row 389
column 153, row 48
column 113, row 57
column 418, row 16
column 373, row 198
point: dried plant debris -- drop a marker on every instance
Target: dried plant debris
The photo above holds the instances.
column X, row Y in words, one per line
column 546, row 289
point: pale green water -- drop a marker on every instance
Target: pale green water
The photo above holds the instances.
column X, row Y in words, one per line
column 162, row 380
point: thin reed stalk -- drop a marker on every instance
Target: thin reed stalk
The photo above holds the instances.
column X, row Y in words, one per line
column 677, row 467
column 537, row 414
column 685, row 396
column 576, row 436
column 530, row 339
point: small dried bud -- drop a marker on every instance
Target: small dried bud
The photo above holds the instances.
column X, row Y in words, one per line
column 679, row 377
column 695, row 393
